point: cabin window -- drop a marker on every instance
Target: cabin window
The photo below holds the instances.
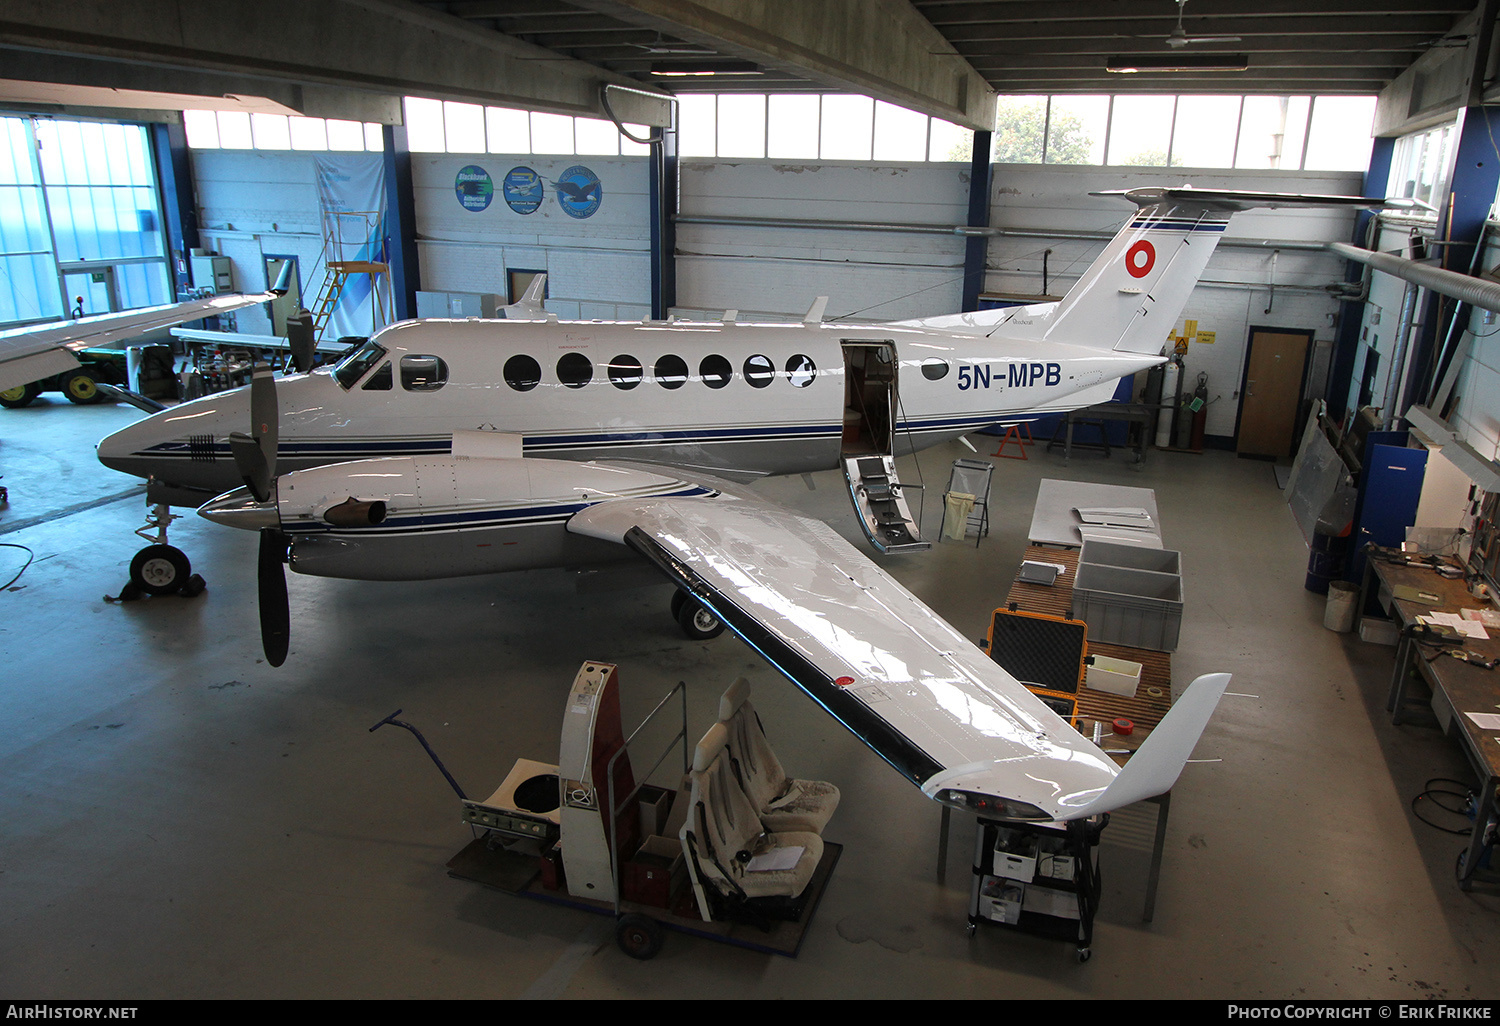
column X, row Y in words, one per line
column 353, row 367
column 935, row 370
column 625, row 372
column 522, row 373
column 575, row 370
column 715, row 371
column 800, row 370
column 380, row 381
column 423, row 373
column 759, row 371
column 671, row 372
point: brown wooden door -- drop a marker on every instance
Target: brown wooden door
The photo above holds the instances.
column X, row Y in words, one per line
column 1273, row 387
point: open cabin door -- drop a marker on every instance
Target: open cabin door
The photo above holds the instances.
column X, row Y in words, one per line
column 868, row 449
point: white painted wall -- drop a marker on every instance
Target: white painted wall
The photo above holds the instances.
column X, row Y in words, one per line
column 780, row 272
column 253, row 203
column 597, row 267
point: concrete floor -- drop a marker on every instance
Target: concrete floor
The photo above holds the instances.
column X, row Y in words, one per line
column 183, row 821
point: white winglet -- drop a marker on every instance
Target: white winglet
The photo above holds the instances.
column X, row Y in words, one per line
column 1154, row 768
column 814, row 313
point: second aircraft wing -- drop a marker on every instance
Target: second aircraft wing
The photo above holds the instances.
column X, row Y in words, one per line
column 922, row 696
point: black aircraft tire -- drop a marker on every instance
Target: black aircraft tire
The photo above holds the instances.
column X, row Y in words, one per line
column 160, row 569
column 697, row 622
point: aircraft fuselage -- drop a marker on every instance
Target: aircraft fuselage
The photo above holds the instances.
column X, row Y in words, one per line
column 739, row 400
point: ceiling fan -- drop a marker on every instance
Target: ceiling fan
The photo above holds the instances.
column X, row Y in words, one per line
column 1178, row 37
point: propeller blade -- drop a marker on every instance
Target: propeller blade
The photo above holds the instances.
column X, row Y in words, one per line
column 255, row 453
column 250, row 460
column 275, row 612
column 265, row 414
column 300, row 340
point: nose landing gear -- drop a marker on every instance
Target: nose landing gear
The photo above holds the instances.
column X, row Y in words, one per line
column 160, row 568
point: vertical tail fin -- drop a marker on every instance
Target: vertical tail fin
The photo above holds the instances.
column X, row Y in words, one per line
column 1129, row 300
column 1131, row 296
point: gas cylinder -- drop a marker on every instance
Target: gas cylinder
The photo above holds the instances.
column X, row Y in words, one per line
column 1169, row 379
column 1200, row 416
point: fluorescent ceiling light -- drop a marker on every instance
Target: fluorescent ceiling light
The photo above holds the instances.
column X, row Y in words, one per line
column 1125, row 64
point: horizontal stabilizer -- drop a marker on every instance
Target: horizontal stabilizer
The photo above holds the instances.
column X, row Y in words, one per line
column 1239, row 199
column 1155, row 766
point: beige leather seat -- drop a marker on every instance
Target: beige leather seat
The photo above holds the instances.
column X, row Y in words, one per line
column 723, row 833
column 782, row 802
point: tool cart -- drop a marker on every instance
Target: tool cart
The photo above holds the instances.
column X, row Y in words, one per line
column 1042, row 878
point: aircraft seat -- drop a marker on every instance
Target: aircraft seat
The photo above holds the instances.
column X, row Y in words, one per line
column 721, row 835
column 784, row 803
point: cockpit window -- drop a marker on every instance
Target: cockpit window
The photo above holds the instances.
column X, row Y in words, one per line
column 380, row 381
column 423, row 373
column 351, row 368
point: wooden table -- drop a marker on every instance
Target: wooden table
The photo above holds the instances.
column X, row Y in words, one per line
column 1458, row 688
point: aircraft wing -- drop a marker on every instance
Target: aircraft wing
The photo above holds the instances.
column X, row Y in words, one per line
column 911, row 687
column 27, row 354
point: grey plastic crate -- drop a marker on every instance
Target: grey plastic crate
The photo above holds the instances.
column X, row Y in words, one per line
column 1125, row 606
column 1135, row 557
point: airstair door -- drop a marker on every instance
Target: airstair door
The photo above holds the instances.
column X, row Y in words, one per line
column 868, row 447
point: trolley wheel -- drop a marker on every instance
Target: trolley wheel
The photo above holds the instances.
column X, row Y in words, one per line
column 697, row 621
column 160, row 569
column 1084, row 954
column 639, row 936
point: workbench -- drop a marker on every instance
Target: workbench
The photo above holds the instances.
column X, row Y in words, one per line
column 1099, row 416
column 1458, row 688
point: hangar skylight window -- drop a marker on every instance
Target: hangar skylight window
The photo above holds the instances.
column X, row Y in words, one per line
column 1285, row 133
column 237, row 130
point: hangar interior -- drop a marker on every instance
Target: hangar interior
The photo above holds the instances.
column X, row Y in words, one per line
column 187, row 821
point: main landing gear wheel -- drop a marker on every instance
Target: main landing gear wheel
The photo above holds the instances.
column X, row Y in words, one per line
column 696, row 620
column 160, row 570
column 639, row 936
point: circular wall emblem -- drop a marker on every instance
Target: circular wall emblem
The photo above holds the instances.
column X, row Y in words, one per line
column 522, row 189
column 474, row 188
column 579, row 191
column 1140, row 258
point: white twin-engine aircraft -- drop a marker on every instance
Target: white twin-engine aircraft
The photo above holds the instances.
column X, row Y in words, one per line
column 452, row 447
